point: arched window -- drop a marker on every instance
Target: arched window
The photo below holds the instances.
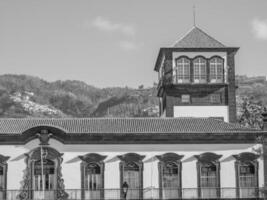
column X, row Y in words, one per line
column 132, row 178
column 247, row 175
column 208, row 179
column 216, row 70
column 44, row 176
column 92, row 176
column 200, row 70
column 170, row 176
column 208, row 167
column 3, row 176
column 182, row 70
column 131, row 172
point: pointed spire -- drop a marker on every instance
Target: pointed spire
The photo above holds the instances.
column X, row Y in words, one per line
column 194, row 15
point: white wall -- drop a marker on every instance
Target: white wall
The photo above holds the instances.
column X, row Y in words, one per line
column 201, row 111
column 71, row 171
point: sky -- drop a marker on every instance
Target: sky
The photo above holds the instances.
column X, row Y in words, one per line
column 109, row 43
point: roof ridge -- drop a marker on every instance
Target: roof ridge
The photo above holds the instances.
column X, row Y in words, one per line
column 182, row 37
column 209, row 36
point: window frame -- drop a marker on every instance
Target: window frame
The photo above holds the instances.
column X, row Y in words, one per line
column 4, row 165
column 201, row 81
column 163, row 160
column 216, row 70
column 208, row 158
column 138, row 160
column 185, row 97
column 27, row 191
column 176, row 70
column 246, row 158
column 88, row 159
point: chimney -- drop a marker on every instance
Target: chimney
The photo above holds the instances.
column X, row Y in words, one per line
column 264, row 119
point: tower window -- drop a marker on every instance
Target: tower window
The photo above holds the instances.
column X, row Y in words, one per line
column 216, row 70
column 185, row 98
column 182, row 71
column 215, row 98
column 200, row 70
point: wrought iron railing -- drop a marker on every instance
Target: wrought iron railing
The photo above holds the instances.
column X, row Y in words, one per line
column 146, row 193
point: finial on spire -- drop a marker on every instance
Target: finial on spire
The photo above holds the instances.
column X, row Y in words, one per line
column 194, row 14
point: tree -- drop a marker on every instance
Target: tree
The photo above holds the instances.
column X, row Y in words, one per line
column 250, row 112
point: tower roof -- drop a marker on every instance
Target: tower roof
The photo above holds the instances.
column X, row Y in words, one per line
column 196, row 38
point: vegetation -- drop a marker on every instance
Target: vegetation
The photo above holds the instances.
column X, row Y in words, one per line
column 24, row 96
column 28, row 96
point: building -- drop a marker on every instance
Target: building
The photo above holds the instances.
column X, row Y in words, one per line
column 195, row 150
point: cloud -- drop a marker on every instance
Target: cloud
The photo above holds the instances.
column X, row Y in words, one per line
column 129, row 45
column 108, row 26
column 259, row 29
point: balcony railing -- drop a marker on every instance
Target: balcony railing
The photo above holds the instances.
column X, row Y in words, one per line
column 146, row 193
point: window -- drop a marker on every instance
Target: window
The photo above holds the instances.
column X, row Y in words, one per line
column 132, row 178
column 92, row 176
column 182, row 71
column 185, row 98
column 200, row 70
column 247, row 175
column 216, row 70
column 3, row 176
column 208, row 178
column 215, row 98
column 43, row 178
column 131, row 172
column 170, row 176
column 170, row 181
column 48, row 178
column 208, row 175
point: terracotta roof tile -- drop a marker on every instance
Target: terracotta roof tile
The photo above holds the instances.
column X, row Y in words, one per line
column 123, row 125
column 196, row 38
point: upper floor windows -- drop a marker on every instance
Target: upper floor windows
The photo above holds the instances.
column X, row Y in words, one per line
column 182, row 70
column 198, row 70
column 216, row 70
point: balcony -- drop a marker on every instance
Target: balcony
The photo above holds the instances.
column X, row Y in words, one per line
column 146, row 193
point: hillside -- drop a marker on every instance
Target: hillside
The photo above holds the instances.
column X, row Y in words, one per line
column 28, row 96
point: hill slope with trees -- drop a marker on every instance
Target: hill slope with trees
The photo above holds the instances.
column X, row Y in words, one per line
column 28, row 96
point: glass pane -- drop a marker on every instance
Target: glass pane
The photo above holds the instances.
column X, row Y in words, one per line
column 182, row 70
column 93, row 177
column 44, row 176
column 200, row 71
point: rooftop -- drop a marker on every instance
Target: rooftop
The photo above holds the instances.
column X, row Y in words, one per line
column 196, row 38
column 123, row 125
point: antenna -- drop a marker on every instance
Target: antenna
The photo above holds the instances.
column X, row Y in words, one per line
column 194, row 14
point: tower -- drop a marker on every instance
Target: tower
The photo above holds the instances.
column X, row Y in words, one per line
column 197, row 78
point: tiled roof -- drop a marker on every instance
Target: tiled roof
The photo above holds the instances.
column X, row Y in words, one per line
column 196, row 38
column 123, row 125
